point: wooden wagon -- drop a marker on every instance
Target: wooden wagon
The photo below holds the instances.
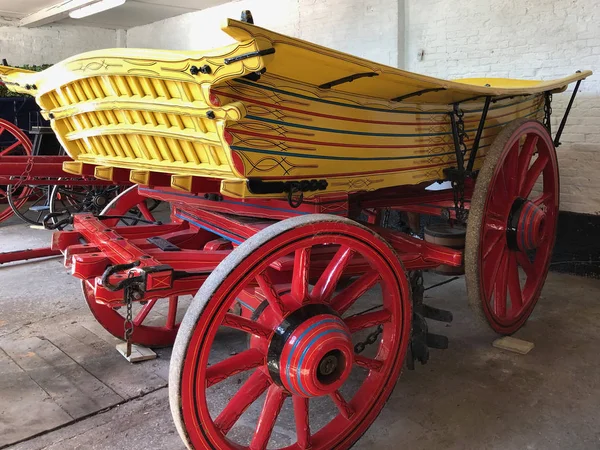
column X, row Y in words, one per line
column 278, row 158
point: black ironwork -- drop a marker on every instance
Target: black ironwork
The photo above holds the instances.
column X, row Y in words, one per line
column 475, row 147
column 267, row 51
column 421, row 339
column 547, row 112
column 563, row 122
column 348, row 79
column 416, row 94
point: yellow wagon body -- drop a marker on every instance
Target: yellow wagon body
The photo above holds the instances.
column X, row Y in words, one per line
column 271, row 108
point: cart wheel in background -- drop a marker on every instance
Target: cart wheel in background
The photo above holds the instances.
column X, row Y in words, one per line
column 132, row 205
column 512, row 225
column 155, row 323
column 78, row 198
column 301, row 355
column 13, row 142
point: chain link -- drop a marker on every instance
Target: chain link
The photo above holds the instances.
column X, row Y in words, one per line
column 460, row 128
column 128, row 324
column 370, row 340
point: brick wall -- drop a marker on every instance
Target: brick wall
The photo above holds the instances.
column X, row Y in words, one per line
column 367, row 28
column 51, row 44
column 528, row 39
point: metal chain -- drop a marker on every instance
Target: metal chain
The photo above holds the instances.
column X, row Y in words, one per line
column 24, row 176
column 370, row 340
column 462, row 135
column 128, row 324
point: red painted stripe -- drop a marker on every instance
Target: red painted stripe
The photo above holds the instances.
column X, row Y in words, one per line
column 329, row 116
column 331, row 144
column 338, row 144
column 352, row 119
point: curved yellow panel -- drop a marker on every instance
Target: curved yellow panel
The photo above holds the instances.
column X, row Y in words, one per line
column 271, row 108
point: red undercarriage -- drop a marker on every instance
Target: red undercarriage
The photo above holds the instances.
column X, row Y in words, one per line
column 205, row 231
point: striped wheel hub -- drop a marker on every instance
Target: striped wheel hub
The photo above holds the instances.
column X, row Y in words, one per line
column 313, row 355
column 526, row 228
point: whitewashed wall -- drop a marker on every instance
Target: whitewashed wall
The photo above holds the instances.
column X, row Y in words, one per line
column 367, row 28
column 50, row 44
column 522, row 39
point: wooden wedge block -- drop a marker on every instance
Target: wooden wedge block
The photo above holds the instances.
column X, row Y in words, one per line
column 513, row 345
column 138, row 353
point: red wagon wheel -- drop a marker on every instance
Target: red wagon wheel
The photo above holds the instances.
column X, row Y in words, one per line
column 13, row 142
column 150, row 329
column 301, row 356
column 512, row 225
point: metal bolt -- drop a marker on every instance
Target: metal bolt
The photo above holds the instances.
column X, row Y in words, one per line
column 211, row 114
column 328, row 365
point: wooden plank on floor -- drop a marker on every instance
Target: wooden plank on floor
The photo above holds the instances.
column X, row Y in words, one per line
column 25, row 408
column 71, row 387
column 102, row 360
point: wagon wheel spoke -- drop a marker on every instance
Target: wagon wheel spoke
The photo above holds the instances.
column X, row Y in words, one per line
column 172, row 313
column 253, row 388
column 526, row 264
column 367, row 320
column 10, row 148
column 143, row 313
column 527, row 152
column 533, row 174
column 545, row 198
column 346, row 298
column 302, row 420
column 145, row 211
column 300, row 274
column 491, row 265
column 325, row 286
column 344, row 407
column 246, row 325
column 242, row 362
column 368, row 363
column 500, row 287
column 268, row 288
column 268, row 416
column 514, row 284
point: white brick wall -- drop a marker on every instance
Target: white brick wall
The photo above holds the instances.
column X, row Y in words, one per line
column 51, row 44
column 367, row 28
column 528, row 39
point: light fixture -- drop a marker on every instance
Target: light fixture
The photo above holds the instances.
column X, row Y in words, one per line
column 95, row 8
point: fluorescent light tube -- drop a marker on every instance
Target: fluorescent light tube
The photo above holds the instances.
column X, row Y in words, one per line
column 95, row 8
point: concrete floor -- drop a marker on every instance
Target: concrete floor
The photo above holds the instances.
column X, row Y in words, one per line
column 64, row 386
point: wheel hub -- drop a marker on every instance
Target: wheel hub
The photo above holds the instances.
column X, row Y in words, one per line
column 526, row 225
column 311, row 353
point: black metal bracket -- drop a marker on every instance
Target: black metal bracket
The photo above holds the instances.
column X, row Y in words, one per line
column 475, row 148
column 416, row 94
column 563, row 122
column 348, row 79
column 257, row 186
column 548, row 111
column 267, row 51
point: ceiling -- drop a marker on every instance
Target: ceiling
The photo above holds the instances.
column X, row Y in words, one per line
column 133, row 13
